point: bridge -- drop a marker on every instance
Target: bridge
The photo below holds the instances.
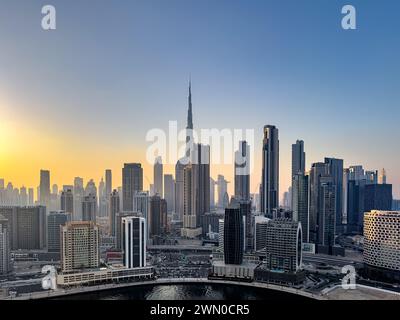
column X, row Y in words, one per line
column 59, row 293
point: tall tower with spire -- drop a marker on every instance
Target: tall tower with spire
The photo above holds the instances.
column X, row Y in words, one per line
column 189, row 126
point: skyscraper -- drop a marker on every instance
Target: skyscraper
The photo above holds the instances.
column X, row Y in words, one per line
column 189, row 125
column 31, row 199
column 300, row 202
column 79, row 193
column 326, row 215
column 27, row 227
column 113, row 211
column 212, row 193
column 44, row 195
column 23, row 196
column 317, row 170
column 141, row 203
column 132, row 180
column 67, row 202
column 89, row 208
column 378, row 197
column 134, row 241
column 298, row 158
column 108, row 183
column 179, row 189
column 55, row 220
column 108, row 191
column 79, row 246
column 158, row 177
column 222, row 188
column 242, row 171
column 233, row 236
column 270, row 170
column 5, row 260
column 196, row 190
column 157, row 217
column 371, row 177
column 335, row 170
column 169, row 192
column 382, row 177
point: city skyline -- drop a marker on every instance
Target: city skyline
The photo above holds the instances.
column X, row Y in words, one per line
column 83, row 113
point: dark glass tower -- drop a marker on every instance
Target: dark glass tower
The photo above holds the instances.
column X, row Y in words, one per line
column 270, row 171
column 233, row 236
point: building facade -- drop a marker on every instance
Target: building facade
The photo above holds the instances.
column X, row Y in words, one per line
column 79, row 246
column 134, row 241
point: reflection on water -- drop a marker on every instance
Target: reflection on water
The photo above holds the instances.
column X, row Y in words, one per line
column 187, row 292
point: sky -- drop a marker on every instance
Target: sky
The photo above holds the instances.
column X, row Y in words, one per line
column 81, row 98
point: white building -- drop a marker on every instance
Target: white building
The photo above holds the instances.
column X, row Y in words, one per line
column 134, row 241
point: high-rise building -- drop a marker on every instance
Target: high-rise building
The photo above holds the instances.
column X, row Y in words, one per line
column 5, row 260
column 44, row 195
column 132, row 180
column 23, row 197
column 114, row 210
column 31, row 199
column 233, row 236
column 119, row 230
column 283, row 245
column 212, row 193
column 242, row 171
column 317, row 170
column 196, row 190
column 371, row 177
column 141, row 205
column 79, row 193
column 300, row 202
column 298, row 168
column 91, row 188
column 108, row 183
column 260, row 232
column 356, row 173
column 222, row 188
column 382, row 245
column 270, row 171
column 169, row 192
column 248, row 221
column 189, row 125
column 55, row 220
column 158, row 177
column 79, row 246
column 221, row 235
column 326, row 215
column 134, row 241
column 335, row 170
column 89, row 208
column 102, row 207
column 27, row 227
column 179, row 189
column 382, row 177
column 298, row 158
column 158, row 216
column 378, row 197
column 67, row 202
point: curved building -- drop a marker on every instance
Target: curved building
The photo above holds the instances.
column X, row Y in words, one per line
column 382, row 245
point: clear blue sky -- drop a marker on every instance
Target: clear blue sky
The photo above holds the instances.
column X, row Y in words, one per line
column 114, row 69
